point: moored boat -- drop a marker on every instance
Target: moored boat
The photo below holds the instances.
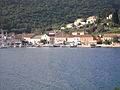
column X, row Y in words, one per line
column 2, row 47
column 56, row 45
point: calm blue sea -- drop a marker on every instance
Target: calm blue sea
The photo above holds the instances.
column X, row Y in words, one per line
column 59, row 69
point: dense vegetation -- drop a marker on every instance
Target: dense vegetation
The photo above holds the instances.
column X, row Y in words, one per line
column 26, row 15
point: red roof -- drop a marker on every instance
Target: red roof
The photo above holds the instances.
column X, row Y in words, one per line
column 86, row 36
column 66, row 36
column 18, row 36
column 97, row 38
column 51, row 35
column 111, row 35
column 29, row 35
column 61, row 36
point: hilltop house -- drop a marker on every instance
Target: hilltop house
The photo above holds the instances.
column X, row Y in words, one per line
column 71, row 25
column 80, row 22
column 91, row 19
column 109, row 16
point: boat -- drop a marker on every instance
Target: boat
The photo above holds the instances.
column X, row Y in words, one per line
column 73, row 46
column 92, row 45
column 56, row 45
column 2, row 47
column 31, row 47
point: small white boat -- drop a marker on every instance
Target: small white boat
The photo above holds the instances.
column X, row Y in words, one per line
column 31, row 47
column 2, row 47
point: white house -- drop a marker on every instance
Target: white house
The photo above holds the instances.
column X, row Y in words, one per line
column 80, row 22
column 45, row 37
column 27, row 37
column 60, row 39
column 35, row 40
column 69, row 25
column 91, row 19
column 62, row 28
column 109, row 16
column 73, row 40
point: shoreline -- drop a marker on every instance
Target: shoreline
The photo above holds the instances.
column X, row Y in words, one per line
column 67, row 46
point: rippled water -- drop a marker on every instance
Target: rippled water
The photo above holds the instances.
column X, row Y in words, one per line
column 60, row 69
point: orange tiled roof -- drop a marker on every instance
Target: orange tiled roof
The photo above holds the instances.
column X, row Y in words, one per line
column 111, row 35
column 92, row 17
column 29, row 35
column 52, row 35
column 86, row 36
column 97, row 38
column 67, row 36
column 37, row 37
column 18, row 37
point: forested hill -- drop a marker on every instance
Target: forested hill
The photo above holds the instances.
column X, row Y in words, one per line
column 24, row 15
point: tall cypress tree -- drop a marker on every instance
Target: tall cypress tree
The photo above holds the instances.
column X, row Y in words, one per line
column 115, row 17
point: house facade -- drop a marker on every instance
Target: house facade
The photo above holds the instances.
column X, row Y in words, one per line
column 91, row 19
column 88, row 40
column 109, row 36
column 109, row 16
column 59, row 40
column 35, row 40
column 73, row 40
column 80, row 22
column 45, row 37
column 28, row 37
column 71, row 25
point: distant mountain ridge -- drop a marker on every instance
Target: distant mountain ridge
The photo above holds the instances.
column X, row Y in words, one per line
column 24, row 15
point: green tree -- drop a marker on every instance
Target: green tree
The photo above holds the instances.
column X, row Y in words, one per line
column 91, row 29
column 100, row 28
column 115, row 17
column 115, row 39
column 44, row 41
column 107, row 42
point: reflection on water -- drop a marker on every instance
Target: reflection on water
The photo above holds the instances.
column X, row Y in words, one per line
column 60, row 69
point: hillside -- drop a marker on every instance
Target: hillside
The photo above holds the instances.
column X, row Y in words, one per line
column 25, row 15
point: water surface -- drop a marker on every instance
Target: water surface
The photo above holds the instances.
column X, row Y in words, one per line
column 60, row 69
